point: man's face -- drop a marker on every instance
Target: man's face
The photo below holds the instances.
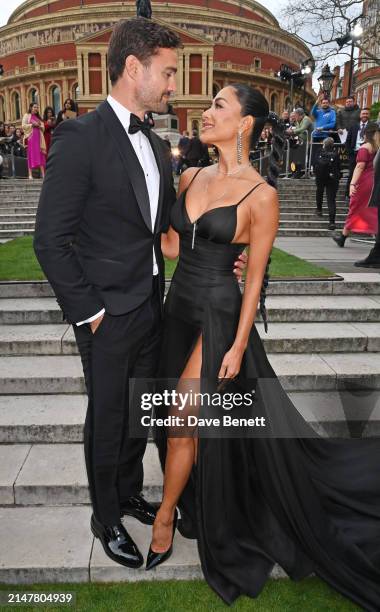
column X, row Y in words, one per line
column 349, row 103
column 325, row 104
column 364, row 116
column 285, row 116
column 157, row 81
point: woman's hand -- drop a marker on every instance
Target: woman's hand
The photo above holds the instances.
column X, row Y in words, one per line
column 231, row 363
column 353, row 189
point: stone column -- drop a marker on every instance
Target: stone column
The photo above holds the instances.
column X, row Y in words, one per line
column 210, row 74
column 86, row 89
column 187, row 74
column 23, row 100
column 43, row 100
column 7, row 104
column 180, row 75
column 104, row 73
column 80, row 74
column 65, row 88
column 204, row 74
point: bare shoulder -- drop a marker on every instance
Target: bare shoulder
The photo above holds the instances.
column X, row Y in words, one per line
column 186, row 177
column 264, row 199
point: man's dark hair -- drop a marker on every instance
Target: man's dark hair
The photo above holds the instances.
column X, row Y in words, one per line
column 140, row 37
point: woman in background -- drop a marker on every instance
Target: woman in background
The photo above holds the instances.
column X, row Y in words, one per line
column 69, row 111
column 361, row 218
column 49, row 123
column 33, row 127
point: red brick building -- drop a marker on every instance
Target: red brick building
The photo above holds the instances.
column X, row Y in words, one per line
column 54, row 49
column 367, row 75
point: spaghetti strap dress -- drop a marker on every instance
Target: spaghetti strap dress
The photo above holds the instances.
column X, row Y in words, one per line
column 287, row 496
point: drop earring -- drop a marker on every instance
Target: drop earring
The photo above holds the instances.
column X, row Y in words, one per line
column 239, row 148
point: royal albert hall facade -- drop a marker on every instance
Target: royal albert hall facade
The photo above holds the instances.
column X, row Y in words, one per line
column 55, row 49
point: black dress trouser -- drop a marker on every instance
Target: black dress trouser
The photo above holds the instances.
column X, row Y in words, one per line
column 122, row 347
column 331, row 185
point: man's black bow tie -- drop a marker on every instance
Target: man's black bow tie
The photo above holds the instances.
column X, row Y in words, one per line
column 135, row 124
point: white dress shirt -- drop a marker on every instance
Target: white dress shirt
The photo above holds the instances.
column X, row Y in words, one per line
column 360, row 139
column 145, row 155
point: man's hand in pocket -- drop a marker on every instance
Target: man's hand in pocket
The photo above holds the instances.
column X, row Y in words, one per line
column 95, row 324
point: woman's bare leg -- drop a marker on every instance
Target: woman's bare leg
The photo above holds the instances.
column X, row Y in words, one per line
column 180, row 457
column 42, row 169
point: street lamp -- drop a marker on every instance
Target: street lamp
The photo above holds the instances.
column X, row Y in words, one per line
column 326, row 80
column 352, row 35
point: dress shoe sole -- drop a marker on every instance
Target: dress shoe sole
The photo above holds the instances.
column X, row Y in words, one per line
column 367, row 265
column 113, row 557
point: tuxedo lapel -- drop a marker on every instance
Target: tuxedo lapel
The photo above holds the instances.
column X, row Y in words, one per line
column 130, row 160
column 154, row 141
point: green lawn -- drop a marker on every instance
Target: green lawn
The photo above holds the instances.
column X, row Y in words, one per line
column 309, row 595
column 18, row 262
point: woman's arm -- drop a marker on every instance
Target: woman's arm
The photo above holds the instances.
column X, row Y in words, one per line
column 170, row 240
column 263, row 228
column 360, row 165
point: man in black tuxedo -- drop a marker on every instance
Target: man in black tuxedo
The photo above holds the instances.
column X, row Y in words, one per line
column 355, row 138
column 104, row 203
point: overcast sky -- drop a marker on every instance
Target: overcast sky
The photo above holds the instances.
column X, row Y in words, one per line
column 8, row 6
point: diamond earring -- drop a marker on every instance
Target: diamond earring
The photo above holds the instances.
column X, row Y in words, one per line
column 239, row 148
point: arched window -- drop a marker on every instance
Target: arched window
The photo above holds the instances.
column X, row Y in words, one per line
column 287, row 102
column 274, row 102
column 195, row 125
column 16, row 106
column 56, row 98
column 33, row 96
column 2, row 108
column 75, row 91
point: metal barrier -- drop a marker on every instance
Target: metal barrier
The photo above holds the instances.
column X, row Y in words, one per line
column 340, row 147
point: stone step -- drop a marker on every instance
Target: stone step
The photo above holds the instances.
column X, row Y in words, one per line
column 310, row 209
column 309, row 216
column 42, row 418
column 303, row 232
column 16, row 233
column 348, row 283
column 55, row 544
column 46, row 474
column 294, row 337
column 17, row 225
column 297, row 372
column 308, row 224
column 59, row 419
column 18, row 217
column 18, row 210
column 327, row 308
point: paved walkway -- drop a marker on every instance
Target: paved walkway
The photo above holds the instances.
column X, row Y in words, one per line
column 324, row 252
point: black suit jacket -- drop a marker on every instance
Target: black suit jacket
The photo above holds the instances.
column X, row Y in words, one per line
column 352, row 135
column 93, row 235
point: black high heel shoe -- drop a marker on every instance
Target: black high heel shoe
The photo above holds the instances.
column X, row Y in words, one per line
column 156, row 558
column 340, row 240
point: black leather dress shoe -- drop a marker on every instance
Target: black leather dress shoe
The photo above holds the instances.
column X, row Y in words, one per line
column 156, row 558
column 117, row 543
column 138, row 507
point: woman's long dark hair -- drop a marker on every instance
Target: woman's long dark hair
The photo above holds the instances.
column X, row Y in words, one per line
column 30, row 110
column 255, row 104
column 46, row 112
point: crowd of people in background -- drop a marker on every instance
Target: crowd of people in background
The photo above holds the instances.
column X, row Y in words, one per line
column 33, row 139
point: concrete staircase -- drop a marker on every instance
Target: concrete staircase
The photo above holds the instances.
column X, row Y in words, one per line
column 298, row 204
column 18, row 207
column 323, row 342
column 19, row 200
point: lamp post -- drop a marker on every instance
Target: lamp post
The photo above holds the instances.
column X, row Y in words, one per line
column 352, row 35
column 297, row 78
column 326, row 80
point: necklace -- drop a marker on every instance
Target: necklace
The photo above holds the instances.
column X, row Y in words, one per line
column 218, row 198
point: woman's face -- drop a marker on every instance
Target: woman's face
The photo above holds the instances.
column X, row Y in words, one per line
column 34, row 109
column 49, row 113
column 18, row 132
column 223, row 120
column 68, row 105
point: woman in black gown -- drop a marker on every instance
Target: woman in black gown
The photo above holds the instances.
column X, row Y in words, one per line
column 288, row 496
